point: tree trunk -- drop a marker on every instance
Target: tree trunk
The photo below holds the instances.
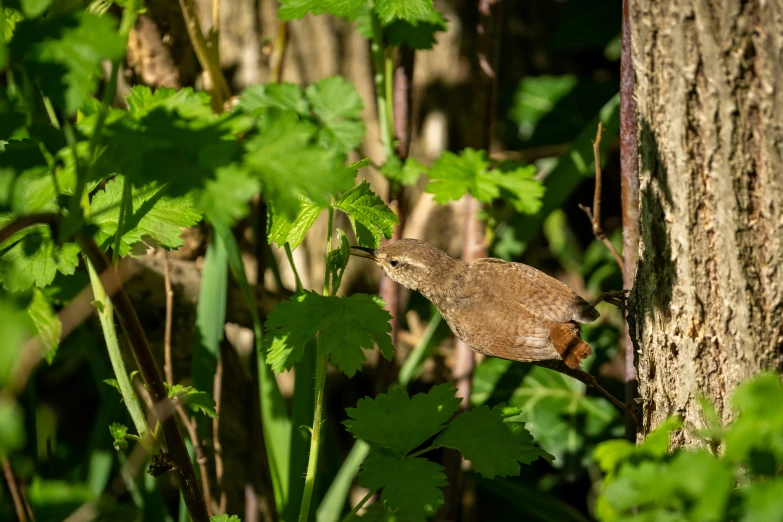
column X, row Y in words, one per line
column 707, row 306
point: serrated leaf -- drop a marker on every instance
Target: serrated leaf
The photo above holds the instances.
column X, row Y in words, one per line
column 226, row 198
column 411, row 486
column 119, row 432
column 63, row 54
column 409, row 10
column 188, row 103
column 291, row 9
column 224, row 518
column 281, row 229
column 416, row 34
column 152, row 214
column 34, row 260
column 407, row 174
column 338, row 107
column 452, row 176
column 342, row 326
column 289, row 165
column 494, row 445
column 285, row 96
column 365, row 208
column 399, row 422
column 196, row 400
column 47, row 324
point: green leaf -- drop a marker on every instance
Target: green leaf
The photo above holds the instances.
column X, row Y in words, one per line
column 186, row 102
column 12, row 435
column 291, row 9
column 34, row 260
column 342, row 326
column 226, row 198
column 285, row 96
column 34, row 8
column 290, row 165
column 535, row 97
column 762, row 501
column 399, row 422
column 119, row 432
column 367, row 210
column 453, row 176
column 224, row 518
column 554, row 407
column 197, row 401
column 113, row 383
column 152, row 215
column 411, row 486
column 63, row 54
column 407, row 174
column 281, row 229
column 47, row 324
column 338, row 107
column 416, row 34
column 495, row 446
column 409, row 10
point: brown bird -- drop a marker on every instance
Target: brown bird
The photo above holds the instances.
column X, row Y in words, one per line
column 498, row 308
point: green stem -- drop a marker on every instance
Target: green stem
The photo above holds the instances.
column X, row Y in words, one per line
column 106, row 316
column 125, row 202
column 290, row 255
column 320, row 382
column 381, row 90
column 421, row 451
column 388, row 84
column 359, row 506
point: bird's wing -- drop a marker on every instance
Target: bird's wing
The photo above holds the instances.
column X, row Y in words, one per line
column 543, row 296
column 526, row 340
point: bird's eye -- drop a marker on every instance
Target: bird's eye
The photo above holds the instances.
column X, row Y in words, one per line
column 394, row 263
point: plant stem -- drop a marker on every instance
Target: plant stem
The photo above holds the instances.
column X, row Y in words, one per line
column 137, row 340
column 379, row 64
column 278, row 52
column 320, row 382
column 290, row 255
column 13, row 487
column 106, row 316
column 220, row 89
column 421, row 451
column 359, row 506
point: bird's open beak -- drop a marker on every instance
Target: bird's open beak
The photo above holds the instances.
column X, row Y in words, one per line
column 367, row 253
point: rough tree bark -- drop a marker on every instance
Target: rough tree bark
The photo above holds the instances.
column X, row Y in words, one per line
column 707, row 306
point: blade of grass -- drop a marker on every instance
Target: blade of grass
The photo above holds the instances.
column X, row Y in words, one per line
column 274, row 417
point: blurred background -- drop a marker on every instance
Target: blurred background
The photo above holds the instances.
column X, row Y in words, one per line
column 558, row 73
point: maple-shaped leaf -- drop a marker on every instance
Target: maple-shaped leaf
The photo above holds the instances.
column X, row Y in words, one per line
column 338, row 107
column 399, row 422
column 291, row 9
column 285, row 96
column 62, row 54
column 411, row 486
column 416, row 34
column 290, row 164
column 196, row 400
column 342, row 326
column 452, row 176
column 226, row 198
column 152, row 214
column 186, row 102
column 31, row 257
column 370, row 217
column 409, row 10
column 407, row 173
column 487, row 438
column 280, row 229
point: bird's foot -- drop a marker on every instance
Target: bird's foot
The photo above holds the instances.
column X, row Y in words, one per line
column 618, row 299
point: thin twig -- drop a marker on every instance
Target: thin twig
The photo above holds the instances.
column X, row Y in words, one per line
column 137, row 340
column 277, row 59
column 167, row 368
column 13, row 487
column 218, row 447
column 187, row 421
column 595, row 214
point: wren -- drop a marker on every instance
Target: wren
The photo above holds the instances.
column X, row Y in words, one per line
column 498, row 308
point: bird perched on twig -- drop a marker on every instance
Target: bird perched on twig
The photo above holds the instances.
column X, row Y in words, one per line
column 498, row 308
